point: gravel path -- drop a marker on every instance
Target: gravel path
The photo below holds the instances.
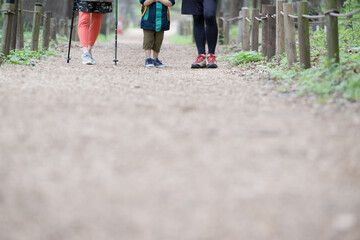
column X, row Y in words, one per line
column 98, row 152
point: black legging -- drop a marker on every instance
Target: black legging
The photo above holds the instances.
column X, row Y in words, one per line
column 210, row 35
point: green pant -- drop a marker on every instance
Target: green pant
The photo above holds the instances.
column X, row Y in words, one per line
column 153, row 40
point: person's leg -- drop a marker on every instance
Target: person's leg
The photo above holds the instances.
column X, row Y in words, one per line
column 95, row 27
column 148, row 43
column 211, row 33
column 94, row 30
column 200, row 40
column 83, row 30
column 147, row 53
column 210, row 7
column 199, row 33
column 159, row 37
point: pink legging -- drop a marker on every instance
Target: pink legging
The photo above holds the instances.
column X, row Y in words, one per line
column 88, row 35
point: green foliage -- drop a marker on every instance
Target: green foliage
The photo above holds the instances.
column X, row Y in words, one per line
column 26, row 57
column 243, row 57
column 350, row 5
column 2, row 58
column 327, row 79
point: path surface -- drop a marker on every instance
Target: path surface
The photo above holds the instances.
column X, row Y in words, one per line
column 97, row 152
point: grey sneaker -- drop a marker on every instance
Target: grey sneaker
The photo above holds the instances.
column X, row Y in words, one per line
column 92, row 59
column 86, row 59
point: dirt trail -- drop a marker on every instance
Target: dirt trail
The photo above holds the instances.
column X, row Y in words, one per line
column 98, row 152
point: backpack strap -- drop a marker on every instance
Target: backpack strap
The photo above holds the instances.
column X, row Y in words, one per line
column 144, row 8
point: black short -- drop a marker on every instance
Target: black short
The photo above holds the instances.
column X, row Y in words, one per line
column 200, row 7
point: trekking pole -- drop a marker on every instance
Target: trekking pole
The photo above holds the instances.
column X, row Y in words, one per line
column 71, row 32
column 116, row 32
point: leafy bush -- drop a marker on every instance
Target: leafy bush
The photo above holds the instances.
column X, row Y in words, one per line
column 328, row 79
column 243, row 57
column 26, row 57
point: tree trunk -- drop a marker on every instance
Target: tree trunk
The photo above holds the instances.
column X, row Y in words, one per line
column 1, row 15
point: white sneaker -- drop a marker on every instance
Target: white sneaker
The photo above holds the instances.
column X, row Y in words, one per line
column 92, row 59
column 87, row 59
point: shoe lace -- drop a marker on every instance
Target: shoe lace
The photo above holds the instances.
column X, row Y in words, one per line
column 199, row 59
column 212, row 58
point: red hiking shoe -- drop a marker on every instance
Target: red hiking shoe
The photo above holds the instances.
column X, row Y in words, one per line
column 211, row 61
column 200, row 62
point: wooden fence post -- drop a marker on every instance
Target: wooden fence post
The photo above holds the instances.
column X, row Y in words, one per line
column 255, row 30
column 62, row 27
column 188, row 27
column 75, row 33
column 221, row 28
column 240, row 28
column 14, row 26
column 53, row 26
column 180, row 28
column 264, row 33
column 69, row 26
column 7, row 27
column 289, row 27
column 104, row 24
column 332, row 32
column 46, row 30
column 304, row 40
column 271, row 44
column 227, row 32
column 36, row 27
column 20, row 27
column 280, row 34
column 321, row 25
column 246, row 29
column 109, row 23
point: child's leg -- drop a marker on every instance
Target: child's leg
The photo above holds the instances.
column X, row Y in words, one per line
column 83, row 30
column 95, row 27
column 147, row 53
column 148, row 42
column 159, row 37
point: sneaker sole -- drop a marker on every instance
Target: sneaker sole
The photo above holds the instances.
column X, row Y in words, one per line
column 149, row 66
column 197, row 66
column 213, row 65
column 87, row 63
